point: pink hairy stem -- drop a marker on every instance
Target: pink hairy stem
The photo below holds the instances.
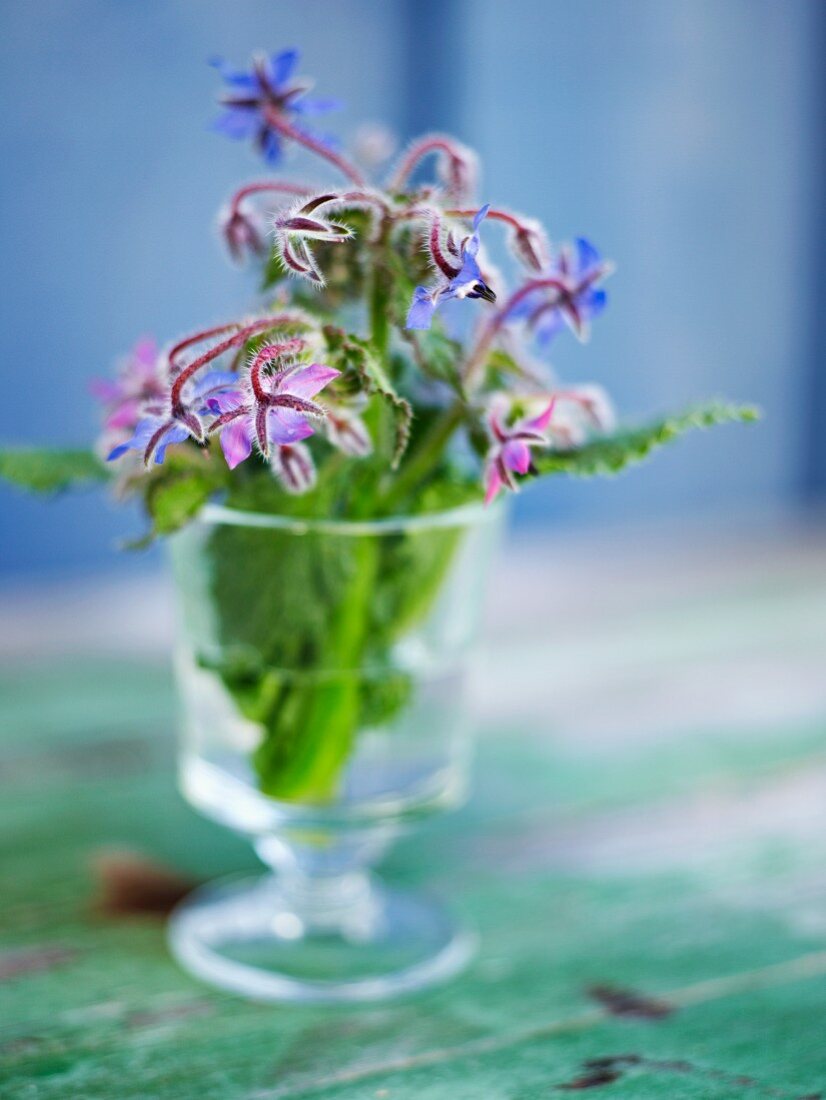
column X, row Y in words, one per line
column 239, row 336
column 444, row 265
column 493, row 214
column 415, row 154
column 275, row 120
column 262, row 186
column 498, row 319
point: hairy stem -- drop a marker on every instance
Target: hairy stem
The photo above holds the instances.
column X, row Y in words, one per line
column 493, row 214
column 489, row 332
column 240, row 336
column 434, row 144
column 379, row 301
column 286, row 130
column 263, row 186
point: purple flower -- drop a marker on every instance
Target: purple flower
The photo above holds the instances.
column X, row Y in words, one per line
column 243, row 234
column 572, row 296
column 461, row 275
column 294, row 467
column 138, row 381
column 159, row 427
column 346, row 430
column 296, row 227
column 270, row 409
column 510, row 453
column 258, row 99
column 579, row 412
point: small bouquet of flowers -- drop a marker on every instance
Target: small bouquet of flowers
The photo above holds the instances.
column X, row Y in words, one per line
column 389, row 372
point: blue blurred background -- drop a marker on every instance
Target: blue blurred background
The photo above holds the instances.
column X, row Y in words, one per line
column 683, row 136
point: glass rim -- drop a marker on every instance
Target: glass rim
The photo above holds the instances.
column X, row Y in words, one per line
column 465, row 515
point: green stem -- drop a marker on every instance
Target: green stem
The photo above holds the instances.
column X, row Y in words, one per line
column 379, row 298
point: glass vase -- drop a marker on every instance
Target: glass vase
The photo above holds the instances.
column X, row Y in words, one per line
column 321, row 668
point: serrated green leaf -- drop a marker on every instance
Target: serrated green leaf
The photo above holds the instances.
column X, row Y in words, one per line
column 174, row 499
column 611, row 454
column 354, row 354
column 42, row 470
column 436, row 355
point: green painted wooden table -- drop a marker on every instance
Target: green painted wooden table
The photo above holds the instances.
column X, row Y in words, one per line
column 652, row 909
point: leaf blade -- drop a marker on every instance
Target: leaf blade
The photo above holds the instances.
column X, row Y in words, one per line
column 47, row 470
column 611, row 454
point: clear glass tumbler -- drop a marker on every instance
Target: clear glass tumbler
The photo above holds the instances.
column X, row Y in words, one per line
column 321, row 668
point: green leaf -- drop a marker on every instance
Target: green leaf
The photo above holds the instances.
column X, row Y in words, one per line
column 356, row 355
column 174, row 497
column 42, row 470
column 610, row 454
column 436, row 355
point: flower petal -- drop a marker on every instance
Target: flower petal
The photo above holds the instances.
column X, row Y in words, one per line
column 587, row 256
column 493, row 483
column 349, row 433
column 124, row 416
column 271, row 146
column 237, row 122
column 225, row 401
column 242, row 81
column 307, row 105
column 236, row 443
column 173, row 434
column 594, row 302
column 305, row 381
column 516, row 455
column 286, row 426
column 549, row 325
column 144, row 430
column 145, row 352
column 294, row 468
column 480, row 216
column 282, row 65
column 106, row 390
column 422, row 308
column 540, row 423
column 469, row 274
column 212, row 383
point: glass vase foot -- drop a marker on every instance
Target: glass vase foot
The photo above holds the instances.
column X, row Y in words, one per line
column 350, row 940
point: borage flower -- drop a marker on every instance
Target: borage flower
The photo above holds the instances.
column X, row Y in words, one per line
column 571, row 295
column 345, row 428
column 243, row 232
column 293, row 465
column 159, row 427
column 138, row 381
column 510, row 451
column 265, row 103
column 302, row 223
column 274, row 409
column 579, row 412
column 462, row 277
column 457, row 167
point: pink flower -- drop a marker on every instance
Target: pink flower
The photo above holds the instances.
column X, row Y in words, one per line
column 346, row 430
column 138, row 380
column 580, row 412
column 510, row 451
column 242, row 233
column 269, row 409
column 294, row 467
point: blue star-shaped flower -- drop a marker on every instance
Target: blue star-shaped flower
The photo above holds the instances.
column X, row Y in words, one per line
column 258, row 98
column 463, row 279
column 575, row 300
